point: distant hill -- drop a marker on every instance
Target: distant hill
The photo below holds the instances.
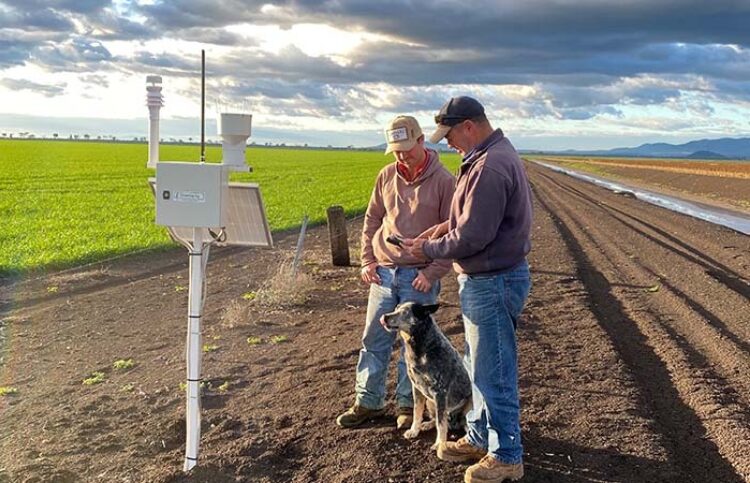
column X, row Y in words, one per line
column 725, row 148
column 706, row 155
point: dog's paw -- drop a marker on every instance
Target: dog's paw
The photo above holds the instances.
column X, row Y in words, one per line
column 411, row 434
column 435, row 446
column 427, row 425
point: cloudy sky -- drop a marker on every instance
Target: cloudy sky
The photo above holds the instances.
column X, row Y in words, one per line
column 554, row 74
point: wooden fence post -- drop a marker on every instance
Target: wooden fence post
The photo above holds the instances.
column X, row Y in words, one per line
column 337, row 236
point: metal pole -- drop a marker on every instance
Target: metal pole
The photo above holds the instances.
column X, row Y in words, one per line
column 193, row 352
column 203, row 106
column 300, row 246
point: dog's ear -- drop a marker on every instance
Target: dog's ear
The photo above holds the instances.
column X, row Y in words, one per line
column 422, row 311
column 431, row 309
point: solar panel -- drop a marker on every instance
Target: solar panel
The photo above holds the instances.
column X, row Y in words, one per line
column 247, row 223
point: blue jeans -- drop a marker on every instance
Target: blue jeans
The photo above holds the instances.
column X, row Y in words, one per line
column 377, row 343
column 491, row 306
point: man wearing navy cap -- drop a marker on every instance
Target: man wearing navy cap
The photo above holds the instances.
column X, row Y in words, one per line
column 487, row 236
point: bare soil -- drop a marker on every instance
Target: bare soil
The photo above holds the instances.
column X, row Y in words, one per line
column 634, row 346
column 724, row 184
column 725, row 169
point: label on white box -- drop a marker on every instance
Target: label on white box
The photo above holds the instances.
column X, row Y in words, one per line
column 190, row 196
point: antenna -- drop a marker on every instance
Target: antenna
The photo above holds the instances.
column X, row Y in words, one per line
column 203, row 106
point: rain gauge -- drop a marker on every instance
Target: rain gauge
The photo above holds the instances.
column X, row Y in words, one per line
column 201, row 208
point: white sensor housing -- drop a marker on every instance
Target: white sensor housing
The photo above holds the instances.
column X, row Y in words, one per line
column 154, row 101
column 234, row 129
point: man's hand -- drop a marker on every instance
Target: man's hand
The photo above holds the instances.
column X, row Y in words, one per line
column 421, row 283
column 428, row 233
column 369, row 274
column 414, row 247
column 434, row 232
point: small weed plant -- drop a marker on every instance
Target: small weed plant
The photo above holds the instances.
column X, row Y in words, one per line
column 279, row 339
column 123, row 364
column 7, row 390
column 95, row 378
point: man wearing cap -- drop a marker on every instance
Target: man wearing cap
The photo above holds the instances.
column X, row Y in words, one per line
column 410, row 195
column 487, row 236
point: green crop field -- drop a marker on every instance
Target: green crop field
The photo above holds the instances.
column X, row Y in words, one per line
column 68, row 203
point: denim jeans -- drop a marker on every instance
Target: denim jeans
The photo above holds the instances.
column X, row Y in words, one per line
column 491, row 306
column 377, row 343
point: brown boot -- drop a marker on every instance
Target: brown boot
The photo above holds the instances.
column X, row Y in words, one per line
column 490, row 470
column 404, row 418
column 460, row 451
column 356, row 415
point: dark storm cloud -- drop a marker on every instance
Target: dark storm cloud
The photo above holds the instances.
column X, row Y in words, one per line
column 107, row 25
column 25, row 85
column 94, row 18
column 450, row 41
column 43, row 19
column 293, row 83
column 77, row 6
column 495, row 42
column 181, row 14
column 76, row 55
column 589, row 24
column 44, row 33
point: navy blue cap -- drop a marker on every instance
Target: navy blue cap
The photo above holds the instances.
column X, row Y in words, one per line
column 453, row 112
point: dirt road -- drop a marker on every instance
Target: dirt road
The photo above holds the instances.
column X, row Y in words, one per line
column 635, row 361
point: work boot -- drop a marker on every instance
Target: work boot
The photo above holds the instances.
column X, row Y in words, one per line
column 490, row 470
column 460, row 451
column 356, row 415
column 404, row 418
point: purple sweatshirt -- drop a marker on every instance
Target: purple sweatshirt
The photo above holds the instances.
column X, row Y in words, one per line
column 490, row 217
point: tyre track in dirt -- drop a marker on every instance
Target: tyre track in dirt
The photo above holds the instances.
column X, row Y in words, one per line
column 660, row 268
column 669, row 291
column 712, row 268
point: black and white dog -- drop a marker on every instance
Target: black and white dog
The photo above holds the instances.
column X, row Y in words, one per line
column 438, row 377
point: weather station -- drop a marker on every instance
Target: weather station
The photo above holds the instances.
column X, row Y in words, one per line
column 200, row 208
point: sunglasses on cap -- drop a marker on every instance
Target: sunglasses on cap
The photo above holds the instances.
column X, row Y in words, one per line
column 447, row 120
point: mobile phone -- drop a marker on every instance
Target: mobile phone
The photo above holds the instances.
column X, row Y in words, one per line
column 393, row 239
